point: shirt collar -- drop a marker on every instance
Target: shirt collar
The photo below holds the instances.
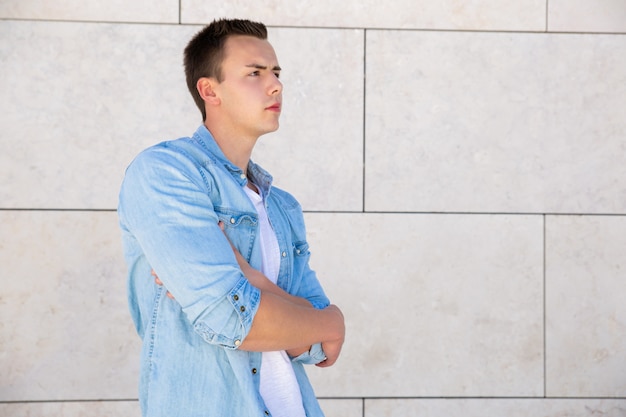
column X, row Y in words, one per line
column 260, row 177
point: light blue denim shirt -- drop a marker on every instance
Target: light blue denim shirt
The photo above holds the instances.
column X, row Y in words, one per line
column 171, row 200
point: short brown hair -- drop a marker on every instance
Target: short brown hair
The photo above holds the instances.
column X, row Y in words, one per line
column 205, row 51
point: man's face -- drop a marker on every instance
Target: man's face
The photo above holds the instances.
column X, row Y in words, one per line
column 250, row 93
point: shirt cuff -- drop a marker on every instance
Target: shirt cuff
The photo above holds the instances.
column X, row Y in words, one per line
column 314, row 356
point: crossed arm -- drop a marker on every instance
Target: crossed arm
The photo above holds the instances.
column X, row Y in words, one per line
column 287, row 322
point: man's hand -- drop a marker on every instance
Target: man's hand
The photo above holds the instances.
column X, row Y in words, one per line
column 159, row 282
column 332, row 348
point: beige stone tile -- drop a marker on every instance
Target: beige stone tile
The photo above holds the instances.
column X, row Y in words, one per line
column 342, row 408
column 405, row 14
column 331, row 407
column 586, row 313
column 154, row 11
column 81, row 99
column 65, row 332
column 317, row 154
column 435, row 305
column 487, row 122
column 587, row 16
column 494, row 408
column 68, row 146
column 72, row 409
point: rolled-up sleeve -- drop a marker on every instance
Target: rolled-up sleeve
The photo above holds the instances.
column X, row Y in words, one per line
column 165, row 206
column 313, row 356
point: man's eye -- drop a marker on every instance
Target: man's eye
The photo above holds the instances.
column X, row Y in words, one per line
column 277, row 74
column 255, row 73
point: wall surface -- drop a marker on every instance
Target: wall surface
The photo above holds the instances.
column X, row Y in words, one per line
column 462, row 166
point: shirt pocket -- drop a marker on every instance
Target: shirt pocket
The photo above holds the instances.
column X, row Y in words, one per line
column 301, row 255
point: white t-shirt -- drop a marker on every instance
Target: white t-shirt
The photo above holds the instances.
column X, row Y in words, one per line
column 279, row 387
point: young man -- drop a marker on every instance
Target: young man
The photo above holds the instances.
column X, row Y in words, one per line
column 239, row 310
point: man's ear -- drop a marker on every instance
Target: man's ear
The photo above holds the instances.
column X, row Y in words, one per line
column 206, row 90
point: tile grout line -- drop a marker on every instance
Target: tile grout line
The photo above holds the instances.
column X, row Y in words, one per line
column 370, row 28
column 362, row 399
column 545, row 332
column 438, row 213
column 364, row 116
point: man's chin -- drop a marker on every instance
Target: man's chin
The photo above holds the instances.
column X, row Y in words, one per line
column 270, row 130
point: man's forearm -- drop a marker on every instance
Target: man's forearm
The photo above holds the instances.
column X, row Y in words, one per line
column 282, row 325
column 260, row 281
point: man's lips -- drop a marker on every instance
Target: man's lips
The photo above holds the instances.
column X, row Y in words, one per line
column 274, row 107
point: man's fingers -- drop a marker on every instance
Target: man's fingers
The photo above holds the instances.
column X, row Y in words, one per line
column 156, row 278
column 159, row 282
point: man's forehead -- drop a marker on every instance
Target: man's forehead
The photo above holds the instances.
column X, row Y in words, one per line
column 250, row 49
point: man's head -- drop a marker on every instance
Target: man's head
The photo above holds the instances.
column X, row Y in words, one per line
column 205, row 52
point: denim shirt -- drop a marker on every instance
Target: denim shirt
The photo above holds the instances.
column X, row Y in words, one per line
column 171, row 200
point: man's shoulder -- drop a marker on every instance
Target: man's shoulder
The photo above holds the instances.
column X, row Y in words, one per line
column 182, row 150
column 173, row 146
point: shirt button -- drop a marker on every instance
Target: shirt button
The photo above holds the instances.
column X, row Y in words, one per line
column 267, row 413
column 284, row 254
column 254, row 371
column 298, row 251
column 235, row 297
column 232, row 220
column 242, row 309
column 237, row 342
column 242, row 176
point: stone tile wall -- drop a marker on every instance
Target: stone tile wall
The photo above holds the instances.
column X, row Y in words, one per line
column 462, row 166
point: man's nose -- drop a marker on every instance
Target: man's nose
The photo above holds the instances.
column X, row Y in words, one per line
column 276, row 86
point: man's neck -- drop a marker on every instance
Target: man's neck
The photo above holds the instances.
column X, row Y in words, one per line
column 237, row 150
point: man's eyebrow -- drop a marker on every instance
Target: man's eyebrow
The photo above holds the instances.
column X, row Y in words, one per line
column 263, row 67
